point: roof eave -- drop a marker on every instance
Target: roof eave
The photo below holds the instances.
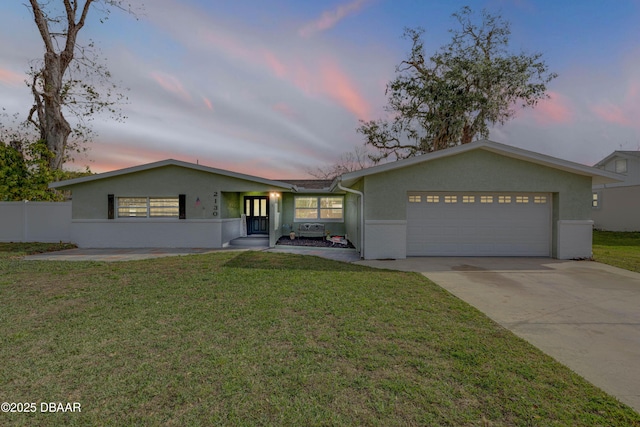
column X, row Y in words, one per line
column 598, row 176
column 171, row 162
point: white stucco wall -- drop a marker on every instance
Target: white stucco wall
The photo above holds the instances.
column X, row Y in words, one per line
column 385, row 239
column 574, row 239
column 160, row 233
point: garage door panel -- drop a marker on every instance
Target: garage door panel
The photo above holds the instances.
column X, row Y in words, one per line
column 482, row 227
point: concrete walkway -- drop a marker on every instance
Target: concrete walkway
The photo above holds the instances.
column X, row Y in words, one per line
column 337, row 254
column 584, row 314
column 115, row 254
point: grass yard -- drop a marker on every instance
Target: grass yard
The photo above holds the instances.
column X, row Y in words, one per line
column 618, row 249
column 253, row 338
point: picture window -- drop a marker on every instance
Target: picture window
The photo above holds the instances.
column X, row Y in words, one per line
column 148, row 207
column 319, row 208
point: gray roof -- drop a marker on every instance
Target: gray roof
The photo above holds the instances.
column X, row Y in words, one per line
column 171, row 162
column 619, row 153
column 598, row 176
column 309, row 184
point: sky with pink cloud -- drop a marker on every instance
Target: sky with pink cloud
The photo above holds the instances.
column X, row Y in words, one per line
column 275, row 87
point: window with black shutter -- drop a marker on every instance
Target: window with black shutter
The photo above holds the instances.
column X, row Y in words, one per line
column 182, row 209
column 110, row 206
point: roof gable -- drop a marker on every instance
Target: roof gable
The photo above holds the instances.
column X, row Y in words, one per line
column 635, row 155
column 599, row 176
column 171, row 162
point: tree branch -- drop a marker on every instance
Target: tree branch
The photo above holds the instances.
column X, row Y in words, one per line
column 43, row 27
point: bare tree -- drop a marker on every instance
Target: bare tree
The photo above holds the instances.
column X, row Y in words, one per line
column 350, row 161
column 64, row 79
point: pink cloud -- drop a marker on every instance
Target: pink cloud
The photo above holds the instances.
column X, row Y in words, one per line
column 554, row 110
column 114, row 155
column 274, row 64
column 235, row 49
column 208, row 103
column 10, row 78
column 326, row 79
column 330, row 18
column 339, row 87
column 612, row 114
column 171, row 84
column 284, row 109
column 626, row 112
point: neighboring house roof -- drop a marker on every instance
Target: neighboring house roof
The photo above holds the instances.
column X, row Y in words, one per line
column 309, row 184
column 171, row 162
column 598, row 176
column 611, row 156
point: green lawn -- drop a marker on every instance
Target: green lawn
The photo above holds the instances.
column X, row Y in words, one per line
column 253, row 338
column 617, row 249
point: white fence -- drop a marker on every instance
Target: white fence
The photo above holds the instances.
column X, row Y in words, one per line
column 35, row 222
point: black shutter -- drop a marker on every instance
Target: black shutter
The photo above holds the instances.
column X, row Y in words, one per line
column 182, row 206
column 110, row 206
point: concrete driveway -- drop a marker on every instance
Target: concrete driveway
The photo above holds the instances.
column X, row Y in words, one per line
column 584, row 314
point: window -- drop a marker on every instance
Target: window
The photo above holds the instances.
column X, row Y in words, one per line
column 148, row 207
column 621, row 166
column 323, row 207
column 486, row 199
column 468, row 199
column 451, row 199
column 132, row 207
column 433, row 199
column 540, row 199
column 415, row 199
column 522, row 199
column 504, row 199
column 595, row 200
column 163, row 207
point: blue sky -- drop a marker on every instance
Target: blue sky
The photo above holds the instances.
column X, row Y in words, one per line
column 272, row 88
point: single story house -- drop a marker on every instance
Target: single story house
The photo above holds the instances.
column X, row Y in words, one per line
column 616, row 206
column 478, row 199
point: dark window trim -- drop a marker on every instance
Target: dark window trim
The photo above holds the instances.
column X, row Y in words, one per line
column 111, row 206
column 182, row 206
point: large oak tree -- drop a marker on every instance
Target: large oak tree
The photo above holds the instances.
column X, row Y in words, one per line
column 70, row 79
column 456, row 94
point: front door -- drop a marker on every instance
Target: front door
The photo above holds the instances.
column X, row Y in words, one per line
column 256, row 208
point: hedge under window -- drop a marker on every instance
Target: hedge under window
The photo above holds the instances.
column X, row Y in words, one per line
column 319, row 208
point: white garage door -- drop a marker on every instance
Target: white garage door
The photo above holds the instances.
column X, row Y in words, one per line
column 478, row 224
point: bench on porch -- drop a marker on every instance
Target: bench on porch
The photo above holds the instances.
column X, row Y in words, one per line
column 311, row 229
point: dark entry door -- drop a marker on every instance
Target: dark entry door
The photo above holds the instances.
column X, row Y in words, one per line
column 256, row 208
